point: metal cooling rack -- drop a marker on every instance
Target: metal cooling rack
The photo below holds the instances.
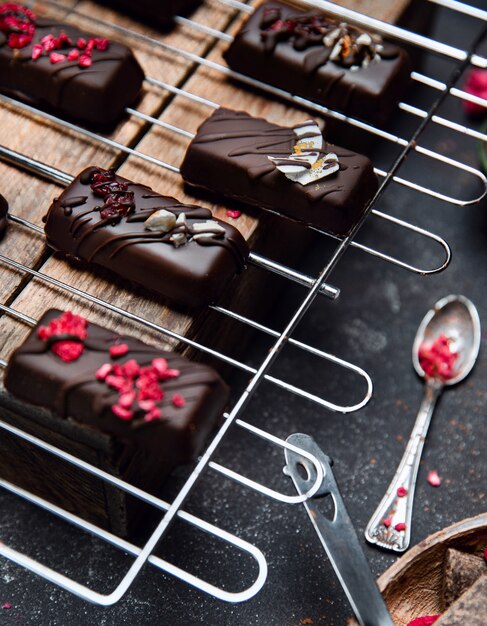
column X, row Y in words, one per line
column 315, row 286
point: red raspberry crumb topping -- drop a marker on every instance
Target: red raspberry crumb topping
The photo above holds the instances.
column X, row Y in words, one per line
column 103, row 371
column 234, row 214
column 387, row 522
column 18, row 24
column 485, row 554
column 437, row 359
column 37, row 50
column 85, row 61
column 139, row 387
column 119, row 349
column 433, row 478
column 66, row 325
column 57, row 57
column 123, row 414
column 401, row 492
column 400, row 527
column 81, row 51
column 425, row 620
column 178, row 401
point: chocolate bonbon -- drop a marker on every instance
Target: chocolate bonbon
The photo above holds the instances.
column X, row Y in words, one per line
column 289, row 170
column 177, row 250
column 57, row 67
column 317, row 57
column 157, row 11
column 3, row 215
column 148, row 409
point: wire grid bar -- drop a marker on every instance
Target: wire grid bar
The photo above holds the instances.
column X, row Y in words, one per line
column 205, row 349
column 176, row 507
column 303, row 101
column 328, row 290
column 87, row 593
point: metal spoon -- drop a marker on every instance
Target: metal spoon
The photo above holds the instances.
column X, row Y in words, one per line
column 456, row 318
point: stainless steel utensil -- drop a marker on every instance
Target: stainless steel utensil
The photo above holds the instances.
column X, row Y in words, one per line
column 337, row 535
column 456, row 318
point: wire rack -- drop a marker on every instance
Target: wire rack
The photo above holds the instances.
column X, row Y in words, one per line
column 315, row 286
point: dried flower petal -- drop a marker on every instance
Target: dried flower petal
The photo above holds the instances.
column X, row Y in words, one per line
column 401, row 492
column 400, row 527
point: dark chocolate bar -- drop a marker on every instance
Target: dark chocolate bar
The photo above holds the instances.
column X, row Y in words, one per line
column 470, row 609
column 461, row 570
column 3, row 215
column 143, row 409
column 311, row 55
column 177, row 250
column 289, row 170
column 158, row 11
column 57, row 67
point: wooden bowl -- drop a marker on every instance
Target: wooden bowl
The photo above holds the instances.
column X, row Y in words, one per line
column 413, row 586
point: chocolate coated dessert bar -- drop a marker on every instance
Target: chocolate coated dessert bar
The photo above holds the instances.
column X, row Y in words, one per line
column 311, row 55
column 289, row 170
column 177, row 250
column 60, row 68
column 131, row 408
column 159, row 11
column 470, row 609
column 3, row 215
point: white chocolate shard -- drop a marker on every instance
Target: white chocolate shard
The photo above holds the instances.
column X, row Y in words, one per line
column 178, row 239
column 209, row 227
column 161, row 221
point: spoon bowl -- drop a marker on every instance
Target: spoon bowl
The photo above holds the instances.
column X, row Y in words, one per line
column 457, row 318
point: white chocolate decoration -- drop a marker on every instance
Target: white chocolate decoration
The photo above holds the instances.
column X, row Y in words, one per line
column 306, row 165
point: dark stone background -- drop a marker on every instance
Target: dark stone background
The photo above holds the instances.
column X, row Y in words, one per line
column 373, row 325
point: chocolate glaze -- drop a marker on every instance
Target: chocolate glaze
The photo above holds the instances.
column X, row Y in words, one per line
column 229, row 156
column 153, row 10
column 96, row 95
column 301, row 65
column 71, row 391
column 3, row 215
column 193, row 274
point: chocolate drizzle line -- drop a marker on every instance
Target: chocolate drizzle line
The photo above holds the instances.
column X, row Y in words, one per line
column 86, row 223
column 308, row 30
column 276, row 142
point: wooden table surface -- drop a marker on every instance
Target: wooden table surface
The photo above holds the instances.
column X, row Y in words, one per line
column 70, row 151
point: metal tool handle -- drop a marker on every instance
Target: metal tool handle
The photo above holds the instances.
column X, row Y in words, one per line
column 338, row 535
column 390, row 525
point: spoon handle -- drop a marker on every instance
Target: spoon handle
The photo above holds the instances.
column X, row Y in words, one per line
column 390, row 525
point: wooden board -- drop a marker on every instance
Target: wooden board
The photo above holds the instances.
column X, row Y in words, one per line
column 70, row 151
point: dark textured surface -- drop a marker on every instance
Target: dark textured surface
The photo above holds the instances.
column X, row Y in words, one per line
column 373, row 324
